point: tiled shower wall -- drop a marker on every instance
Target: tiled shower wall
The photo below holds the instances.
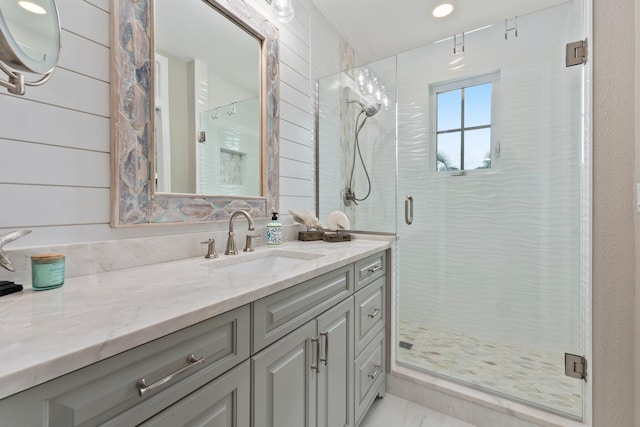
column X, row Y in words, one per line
column 498, row 254
column 55, row 162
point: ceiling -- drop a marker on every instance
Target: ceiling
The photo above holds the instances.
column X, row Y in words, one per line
column 378, row 29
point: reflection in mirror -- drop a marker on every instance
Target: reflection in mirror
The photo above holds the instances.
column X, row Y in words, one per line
column 142, row 108
column 229, row 149
column 29, row 41
column 207, row 109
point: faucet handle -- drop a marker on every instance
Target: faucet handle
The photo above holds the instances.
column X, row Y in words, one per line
column 248, row 246
column 211, row 249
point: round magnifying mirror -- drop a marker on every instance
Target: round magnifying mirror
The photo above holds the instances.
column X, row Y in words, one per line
column 29, row 35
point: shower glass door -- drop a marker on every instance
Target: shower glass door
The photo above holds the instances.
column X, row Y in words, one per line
column 493, row 270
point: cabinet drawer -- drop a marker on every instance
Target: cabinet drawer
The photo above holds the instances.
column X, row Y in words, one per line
column 370, row 268
column 224, row 402
column 106, row 392
column 370, row 375
column 370, row 313
column 278, row 314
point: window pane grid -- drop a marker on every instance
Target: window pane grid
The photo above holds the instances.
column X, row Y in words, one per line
column 451, row 115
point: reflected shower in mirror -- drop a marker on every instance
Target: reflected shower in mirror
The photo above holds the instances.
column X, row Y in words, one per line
column 207, row 109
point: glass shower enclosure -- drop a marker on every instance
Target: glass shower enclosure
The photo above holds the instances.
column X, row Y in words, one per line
column 483, row 147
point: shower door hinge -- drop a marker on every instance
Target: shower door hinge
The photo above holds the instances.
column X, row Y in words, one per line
column 575, row 366
column 576, row 53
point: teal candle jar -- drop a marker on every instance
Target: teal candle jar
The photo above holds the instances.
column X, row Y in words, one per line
column 47, row 271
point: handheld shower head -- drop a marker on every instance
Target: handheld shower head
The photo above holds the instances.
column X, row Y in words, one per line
column 370, row 110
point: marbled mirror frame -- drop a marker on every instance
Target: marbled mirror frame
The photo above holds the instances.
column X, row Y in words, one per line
column 133, row 199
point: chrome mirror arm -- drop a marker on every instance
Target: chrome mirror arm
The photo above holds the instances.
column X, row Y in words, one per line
column 16, row 83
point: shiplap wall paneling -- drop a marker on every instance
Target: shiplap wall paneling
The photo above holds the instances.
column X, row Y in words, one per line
column 296, row 177
column 28, row 163
column 63, row 205
column 82, row 130
column 63, row 194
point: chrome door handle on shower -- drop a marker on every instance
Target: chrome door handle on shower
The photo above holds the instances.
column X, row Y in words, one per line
column 408, row 209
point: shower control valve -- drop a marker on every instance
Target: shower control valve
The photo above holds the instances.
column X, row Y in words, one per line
column 349, row 196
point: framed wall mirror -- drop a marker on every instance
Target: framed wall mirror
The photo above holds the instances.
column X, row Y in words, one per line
column 195, row 91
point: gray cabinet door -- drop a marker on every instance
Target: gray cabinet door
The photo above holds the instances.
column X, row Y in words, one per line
column 335, row 377
column 224, row 402
column 284, row 384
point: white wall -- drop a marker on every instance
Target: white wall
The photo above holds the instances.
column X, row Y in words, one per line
column 179, row 121
column 55, row 146
column 615, row 260
column 636, row 3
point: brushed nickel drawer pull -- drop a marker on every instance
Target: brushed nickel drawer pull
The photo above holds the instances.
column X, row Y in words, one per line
column 375, row 313
column 374, row 268
column 325, row 359
column 373, row 374
column 316, row 366
column 143, row 388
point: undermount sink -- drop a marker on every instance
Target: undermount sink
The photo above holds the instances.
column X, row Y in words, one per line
column 264, row 262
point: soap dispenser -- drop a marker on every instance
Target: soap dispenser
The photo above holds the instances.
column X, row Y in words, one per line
column 274, row 232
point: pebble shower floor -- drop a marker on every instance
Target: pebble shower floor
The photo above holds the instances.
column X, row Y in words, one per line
column 516, row 371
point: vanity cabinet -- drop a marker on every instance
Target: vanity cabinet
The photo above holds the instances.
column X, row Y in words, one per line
column 131, row 387
column 311, row 355
column 325, row 372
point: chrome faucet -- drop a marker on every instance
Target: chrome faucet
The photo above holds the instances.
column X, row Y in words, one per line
column 231, row 241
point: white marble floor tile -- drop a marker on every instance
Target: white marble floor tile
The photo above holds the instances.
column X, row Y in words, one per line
column 393, row 411
column 521, row 372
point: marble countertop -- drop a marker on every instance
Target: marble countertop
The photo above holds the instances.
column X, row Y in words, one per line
column 46, row 334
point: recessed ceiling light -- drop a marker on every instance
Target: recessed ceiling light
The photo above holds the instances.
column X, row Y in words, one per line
column 32, row 7
column 443, row 8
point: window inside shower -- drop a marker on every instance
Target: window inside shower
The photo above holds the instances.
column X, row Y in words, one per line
column 463, row 123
